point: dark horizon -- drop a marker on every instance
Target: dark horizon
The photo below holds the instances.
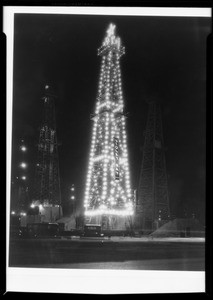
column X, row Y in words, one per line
column 165, row 58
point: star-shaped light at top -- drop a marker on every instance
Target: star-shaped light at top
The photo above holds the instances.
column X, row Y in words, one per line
column 111, row 30
column 111, row 41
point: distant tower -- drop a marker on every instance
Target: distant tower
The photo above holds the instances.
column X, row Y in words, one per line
column 153, row 200
column 47, row 193
column 108, row 196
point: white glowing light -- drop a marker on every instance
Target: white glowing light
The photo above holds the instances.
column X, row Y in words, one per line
column 104, row 211
column 23, row 148
column 23, row 165
column 101, row 186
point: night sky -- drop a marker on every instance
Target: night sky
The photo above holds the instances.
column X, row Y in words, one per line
column 165, row 58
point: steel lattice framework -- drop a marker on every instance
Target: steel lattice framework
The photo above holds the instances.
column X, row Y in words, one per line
column 153, row 198
column 47, row 181
column 108, row 190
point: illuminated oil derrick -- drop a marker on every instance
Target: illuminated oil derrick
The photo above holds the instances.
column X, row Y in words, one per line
column 47, row 193
column 153, row 200
column 108, row 198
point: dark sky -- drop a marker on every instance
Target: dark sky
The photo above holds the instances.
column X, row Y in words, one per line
column 165, row 58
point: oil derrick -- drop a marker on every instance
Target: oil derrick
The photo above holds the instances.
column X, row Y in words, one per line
column 47, row 195
column 108, row 196
column 152, row 208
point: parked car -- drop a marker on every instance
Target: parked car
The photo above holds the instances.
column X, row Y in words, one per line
column 34, row 230
column 92, row 230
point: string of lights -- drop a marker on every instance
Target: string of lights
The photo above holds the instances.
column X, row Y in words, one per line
column 108, row 189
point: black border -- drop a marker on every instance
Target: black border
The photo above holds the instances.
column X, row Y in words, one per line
column 209, row 133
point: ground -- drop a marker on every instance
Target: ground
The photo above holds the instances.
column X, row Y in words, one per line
column 187, row 254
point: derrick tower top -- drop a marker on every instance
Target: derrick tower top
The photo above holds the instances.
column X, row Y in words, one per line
column 111, row 43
